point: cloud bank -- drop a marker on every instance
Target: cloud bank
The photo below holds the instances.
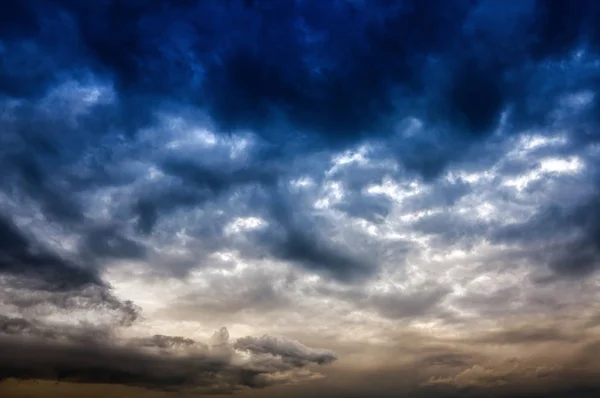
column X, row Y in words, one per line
column 170, row 363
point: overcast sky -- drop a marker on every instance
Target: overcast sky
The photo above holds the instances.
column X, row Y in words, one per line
column 325, row 198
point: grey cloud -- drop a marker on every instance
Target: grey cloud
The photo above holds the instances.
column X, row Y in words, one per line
column 491, row 303
column 21, row 255
column 109, row 242
column 399, row 304
column 176, row 364
column 167, row 342
column 199, row 183
column 315, row 253
column 291, row 351
column 539, row 227
column 402, row 305
column 56, row 204
column 36, row 280
column 294, row 231
column 213, row 179
column 249, row 293
column 449, row 228
column 104, row 168
column 566, row 236
column 17, row 326
column 147, row 214
column 61, row 171
column 448, row 359
column 481, row 377
column 356, row 177
column 105, row 364
column 443, row 194
column 302, row 238
column 527, row 335
column 424, row 366
column 93, row 298
column 371, row 207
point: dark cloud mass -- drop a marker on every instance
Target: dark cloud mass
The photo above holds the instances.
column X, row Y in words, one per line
column 21, row 256
column 91, row 357
column 343, row 172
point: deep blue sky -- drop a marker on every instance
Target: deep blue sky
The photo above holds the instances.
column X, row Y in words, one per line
column 341, row 172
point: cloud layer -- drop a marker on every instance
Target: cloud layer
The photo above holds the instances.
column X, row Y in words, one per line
column 170, row 363
column 372, row 177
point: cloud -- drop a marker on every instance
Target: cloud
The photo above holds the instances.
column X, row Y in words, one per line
column 159, row 362
column 400, row 305
column 140, row 112
column 335, row 170
column 335, row 86
column 40, row 303
column 395, row 303
column 22, row 256
column 291, row 351
column 569, row 235
column 301, row 236
column 103, row 242
column 248, row 293
column 527, row 335
column 481, row 377
column 37, row 281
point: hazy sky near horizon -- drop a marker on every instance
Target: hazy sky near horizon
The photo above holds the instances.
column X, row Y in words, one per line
column 325, row 198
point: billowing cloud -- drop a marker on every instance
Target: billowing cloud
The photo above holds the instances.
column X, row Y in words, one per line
column 408, row 184
column 291, row 351
column 158, row 362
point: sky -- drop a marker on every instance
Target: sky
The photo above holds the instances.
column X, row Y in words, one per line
column 291, row 198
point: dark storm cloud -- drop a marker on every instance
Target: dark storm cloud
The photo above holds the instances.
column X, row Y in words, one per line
column 108, row 242
column 163, row 342
column 301, row 237
column 99, row 363
column 20, row 255
column 335, row 70
column 316, row 253
column 35, row 279
column 170, row 363
column 54, row 203
column 93, row 299
column 199, row 183
column 12, row 326
column 98, row 168
column 298, row 77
